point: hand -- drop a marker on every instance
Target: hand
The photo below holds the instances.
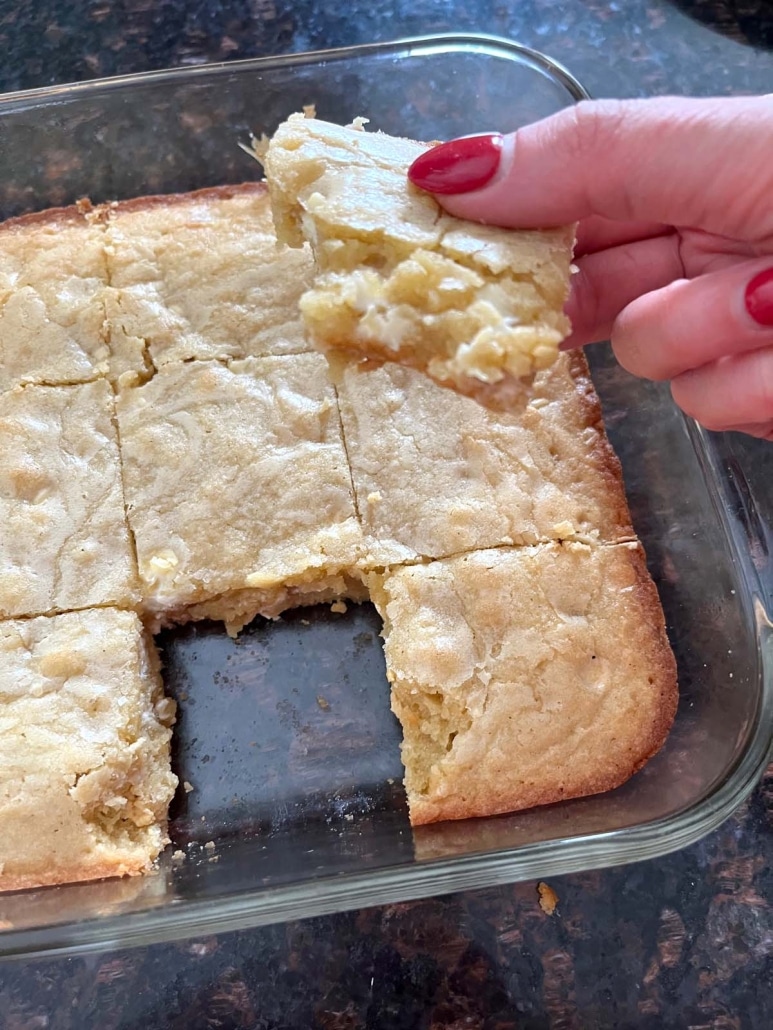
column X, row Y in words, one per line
column 674, row 200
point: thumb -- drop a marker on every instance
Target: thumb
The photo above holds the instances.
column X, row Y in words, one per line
column 699, row 163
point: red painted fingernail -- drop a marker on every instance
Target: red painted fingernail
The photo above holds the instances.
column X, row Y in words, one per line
column 759, row 297
column 459, row 166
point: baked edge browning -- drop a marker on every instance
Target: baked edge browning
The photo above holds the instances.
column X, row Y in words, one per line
column 659, row 658
column 604, row 454
column 227, row 192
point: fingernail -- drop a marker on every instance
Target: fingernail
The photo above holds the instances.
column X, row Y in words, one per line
column 459, row 166
column 759, row 297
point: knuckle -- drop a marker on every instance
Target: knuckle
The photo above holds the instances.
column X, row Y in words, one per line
column 597, row 134
column 595, row 125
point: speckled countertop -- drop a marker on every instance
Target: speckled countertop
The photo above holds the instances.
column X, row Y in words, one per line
column 685, row 941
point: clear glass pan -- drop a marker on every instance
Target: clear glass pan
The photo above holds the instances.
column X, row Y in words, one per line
column 302, row 800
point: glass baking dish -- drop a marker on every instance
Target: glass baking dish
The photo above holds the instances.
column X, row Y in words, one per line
column 285, row 734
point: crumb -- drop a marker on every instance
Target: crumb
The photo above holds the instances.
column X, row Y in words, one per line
column 374, row 497
column 564, row 530
column 214, row 858
column 253, row 743
column 210, row 845
column 178, row 856
column 339, row 607
column 256, row 148
column 323, row 703
column 305, row 622
column 183, row 696
column 390, row 781
column 309, row 110
column 548, row 899
column 187, row 787
column 349, row 817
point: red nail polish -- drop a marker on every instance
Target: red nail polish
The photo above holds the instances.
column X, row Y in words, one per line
column 759, row 297
column 459, row 166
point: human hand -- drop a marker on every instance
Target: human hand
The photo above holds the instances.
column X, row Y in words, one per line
column 674, row 200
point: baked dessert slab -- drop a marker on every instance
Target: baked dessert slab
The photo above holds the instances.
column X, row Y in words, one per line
column 64, row 541
column 401, row 280
column 53, row 276
column 200, row 275
column 524, row 676
column 237, row 488
column 85, row 780
column 436, row 473
column 256, row 475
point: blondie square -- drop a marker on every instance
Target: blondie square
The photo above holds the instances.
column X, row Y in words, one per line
column 200, row 275
column 53, row 277
column 401, row 280
column 436, row 473
column 524, row 676
column 237, row 488
column 85, row 780
column 64, row 541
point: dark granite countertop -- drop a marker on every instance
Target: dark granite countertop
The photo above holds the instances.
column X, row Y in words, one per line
column 685, row 941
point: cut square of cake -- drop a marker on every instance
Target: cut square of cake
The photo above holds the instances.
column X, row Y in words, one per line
column 200, row 275
column 85, row 779
column 53, row 276
column 64, row 541
column 237, row 487
column 436, row 473
column 524, row 676
column 401, row 280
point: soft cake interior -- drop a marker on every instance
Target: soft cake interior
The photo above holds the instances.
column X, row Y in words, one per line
column 164, row 467
column 398, row 278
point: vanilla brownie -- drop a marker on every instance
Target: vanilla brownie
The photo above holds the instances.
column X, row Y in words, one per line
column 237, row 488
column 523, row 676
column 64, row 542
column 200, row 275
column 85, row 780
column 398, row 278
column 53, row 276
column 436, row 473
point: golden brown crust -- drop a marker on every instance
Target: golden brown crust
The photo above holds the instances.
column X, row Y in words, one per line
column 604, row 458
column 166, row 200
column 82, row 873
column 74, row 214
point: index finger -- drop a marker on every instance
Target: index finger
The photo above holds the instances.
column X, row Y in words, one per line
column 682, row 162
